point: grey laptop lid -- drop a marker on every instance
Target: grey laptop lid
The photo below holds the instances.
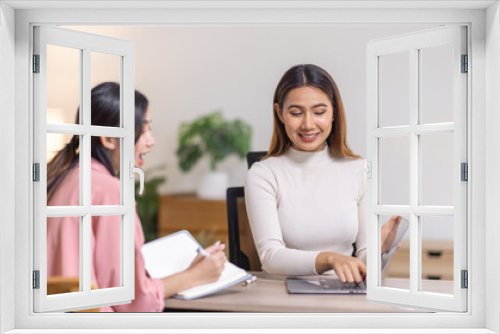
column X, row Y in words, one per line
column 326, row 285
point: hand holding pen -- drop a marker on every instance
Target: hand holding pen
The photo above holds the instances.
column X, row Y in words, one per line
column 216, row 247
column 208, row 264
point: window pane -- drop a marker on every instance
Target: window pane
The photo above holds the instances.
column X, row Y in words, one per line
column 106, row 246
column 437, row 169
column 394, row 167
column 106, row 68
column 63, row 177
column 436, row 84
column 105, row 171
column 63, row 84
column 394, row 89
column 63, row 255
column 396, row 272
column 437, row 253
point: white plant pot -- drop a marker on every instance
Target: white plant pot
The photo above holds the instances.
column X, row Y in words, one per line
column 213, row 186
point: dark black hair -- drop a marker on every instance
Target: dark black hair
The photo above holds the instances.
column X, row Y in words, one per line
column 105, row 111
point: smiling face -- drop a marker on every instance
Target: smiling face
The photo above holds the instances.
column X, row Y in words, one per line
column 145, row 142
column 307, row 115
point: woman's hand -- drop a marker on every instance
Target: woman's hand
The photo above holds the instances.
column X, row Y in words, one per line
column 207, row 269
column 348, row 269
column 388, row 233
column 202, row 270
column 217, row 247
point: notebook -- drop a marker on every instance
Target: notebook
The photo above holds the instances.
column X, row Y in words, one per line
column 334, row 285
column 174, row 253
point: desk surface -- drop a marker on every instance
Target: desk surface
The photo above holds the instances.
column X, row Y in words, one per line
column 268, row 294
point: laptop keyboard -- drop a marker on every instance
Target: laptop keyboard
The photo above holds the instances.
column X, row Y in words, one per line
column 332, row 283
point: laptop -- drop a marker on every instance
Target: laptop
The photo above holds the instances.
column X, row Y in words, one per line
column 324, row 285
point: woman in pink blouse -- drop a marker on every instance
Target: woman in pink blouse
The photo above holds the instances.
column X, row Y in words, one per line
column 63, row 177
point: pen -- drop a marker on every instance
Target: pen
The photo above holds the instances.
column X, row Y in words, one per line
column 249, row 281
column 201, row 251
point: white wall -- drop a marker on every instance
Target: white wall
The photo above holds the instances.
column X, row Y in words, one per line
column 187, row 71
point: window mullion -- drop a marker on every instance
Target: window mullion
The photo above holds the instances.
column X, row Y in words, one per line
column 40, row 149
column 77, row 129
column 414, row 170
column 128, row 198
column 419, row 211
column 85, row 117
column 85, row 251
column 460, row 155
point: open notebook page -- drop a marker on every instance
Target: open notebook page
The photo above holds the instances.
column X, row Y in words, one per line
column 174, row 253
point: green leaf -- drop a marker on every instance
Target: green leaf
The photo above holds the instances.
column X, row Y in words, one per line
column 188, row 156
column 214, row 136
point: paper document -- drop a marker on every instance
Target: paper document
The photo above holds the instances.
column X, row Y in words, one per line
column 174, row 253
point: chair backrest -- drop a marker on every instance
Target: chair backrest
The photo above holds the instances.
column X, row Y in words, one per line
column 254, row 157
column 242, row 251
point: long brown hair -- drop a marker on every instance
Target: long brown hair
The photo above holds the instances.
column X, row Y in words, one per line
column 309, row 75
column 105, row 111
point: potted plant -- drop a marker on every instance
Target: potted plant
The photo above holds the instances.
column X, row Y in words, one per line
column 147, row 203
column 218, row 138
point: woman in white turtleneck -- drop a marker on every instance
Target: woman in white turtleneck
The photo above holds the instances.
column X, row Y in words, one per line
column 303, row 202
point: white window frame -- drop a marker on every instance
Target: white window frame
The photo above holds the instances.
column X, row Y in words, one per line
column 484, row 308
column 413, row 43
column 85, row 43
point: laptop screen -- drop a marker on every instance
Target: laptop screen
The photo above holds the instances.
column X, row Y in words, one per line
column 402, row 228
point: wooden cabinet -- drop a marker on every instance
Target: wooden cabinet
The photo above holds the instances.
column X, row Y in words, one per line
column 437, row 261
column 205, row 220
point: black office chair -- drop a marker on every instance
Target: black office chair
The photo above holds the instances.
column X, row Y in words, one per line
column 254, row 157
column 242, row 251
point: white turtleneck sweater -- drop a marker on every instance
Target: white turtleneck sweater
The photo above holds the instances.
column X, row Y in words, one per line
column 303, row 203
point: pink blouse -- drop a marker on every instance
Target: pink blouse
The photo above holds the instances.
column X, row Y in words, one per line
column 63, row 242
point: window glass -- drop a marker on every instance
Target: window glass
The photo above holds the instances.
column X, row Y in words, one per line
column 394, row 170
column 436, row 152
column 436, row 84
column 394, row 89
column 63, row 84
column 63, row 260
column 396, row 274
column 62, row 173
column 105, row 171
column 106, row 245
column 105, row 68
column 437, row 253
